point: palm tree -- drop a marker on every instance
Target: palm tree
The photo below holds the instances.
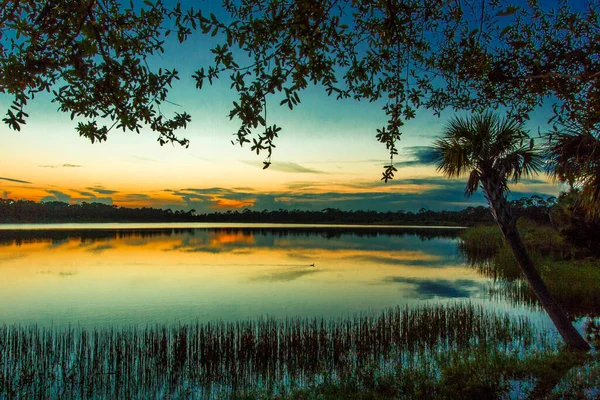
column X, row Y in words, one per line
column 573, row 152
column 492, row 151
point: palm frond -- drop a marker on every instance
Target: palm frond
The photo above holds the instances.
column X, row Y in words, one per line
column 488, row 148
column 573, row 154
column 509, row 135
column 451, row 157
column 522, row 162
column 472, row 183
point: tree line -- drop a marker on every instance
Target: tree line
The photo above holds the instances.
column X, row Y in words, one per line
column 26, row 211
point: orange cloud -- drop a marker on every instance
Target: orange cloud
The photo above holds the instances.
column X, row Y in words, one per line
column 230, row 203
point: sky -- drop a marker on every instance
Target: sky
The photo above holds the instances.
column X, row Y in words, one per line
column 326, row 156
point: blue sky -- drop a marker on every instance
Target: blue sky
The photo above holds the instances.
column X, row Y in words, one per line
column 326, row 156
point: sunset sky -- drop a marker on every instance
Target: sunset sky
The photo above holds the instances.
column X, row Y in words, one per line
column 326, row 156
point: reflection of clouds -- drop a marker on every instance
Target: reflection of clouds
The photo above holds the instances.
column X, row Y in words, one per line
column 60, row 274
column 61, row 166
column 299, row 256
column 400, row 258
column 222, row 238
column 11, row 257
column 408, row 258
column 399, row 240
column 242, row 251
column 100, row 248
column 56, row 243
column 285, row 275
column 136, row 242
column 198, row 249
column 430, row 288
column 216, row 242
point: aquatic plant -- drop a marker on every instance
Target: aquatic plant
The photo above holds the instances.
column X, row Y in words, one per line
column 574, row 282
column 223, row 358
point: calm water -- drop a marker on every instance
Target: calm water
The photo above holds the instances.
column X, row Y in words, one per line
column 127, row 274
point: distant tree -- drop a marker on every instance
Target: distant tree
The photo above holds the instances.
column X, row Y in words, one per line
column 491, row 151
column 534, row 208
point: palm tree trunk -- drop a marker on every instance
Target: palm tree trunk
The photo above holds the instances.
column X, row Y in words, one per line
column 502, row 213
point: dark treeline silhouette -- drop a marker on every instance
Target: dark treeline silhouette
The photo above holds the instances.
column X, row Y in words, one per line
column 25, row 211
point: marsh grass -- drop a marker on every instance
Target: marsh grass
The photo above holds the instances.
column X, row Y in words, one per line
column 480, row 243
column 573, row 280
column 481, row 372
column 484, row 242
column 264, row 356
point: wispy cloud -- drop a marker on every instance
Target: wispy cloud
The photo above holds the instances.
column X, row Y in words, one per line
column 61, row 166
column 417, row 260
column 408, row 194
column 101, row 190
column 288, row 167
column 14, row 180
column 208, row 191
column 57, row 195
column 137, row 196
column 411, row 195
column 83, row 193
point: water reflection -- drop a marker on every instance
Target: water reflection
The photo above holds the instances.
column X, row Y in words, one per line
column 430, row 288
column 574, row 283
column 145, row 276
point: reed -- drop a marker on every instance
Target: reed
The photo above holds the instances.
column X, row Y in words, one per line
column 221, row 359
column 480, row 243
column 575, row 282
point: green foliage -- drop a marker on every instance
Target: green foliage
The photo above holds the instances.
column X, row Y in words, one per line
column 573, row 280
column 481, row 243
column 573, row 153
column 477, row 373
column 546, row 240
column 577, row 222
column 576, row 284
column 538, row 51
column 486, row 241
column 91, row 55
column 410, row 54
column 490, row 150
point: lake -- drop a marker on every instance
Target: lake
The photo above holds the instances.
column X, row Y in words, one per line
column 104, row 275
